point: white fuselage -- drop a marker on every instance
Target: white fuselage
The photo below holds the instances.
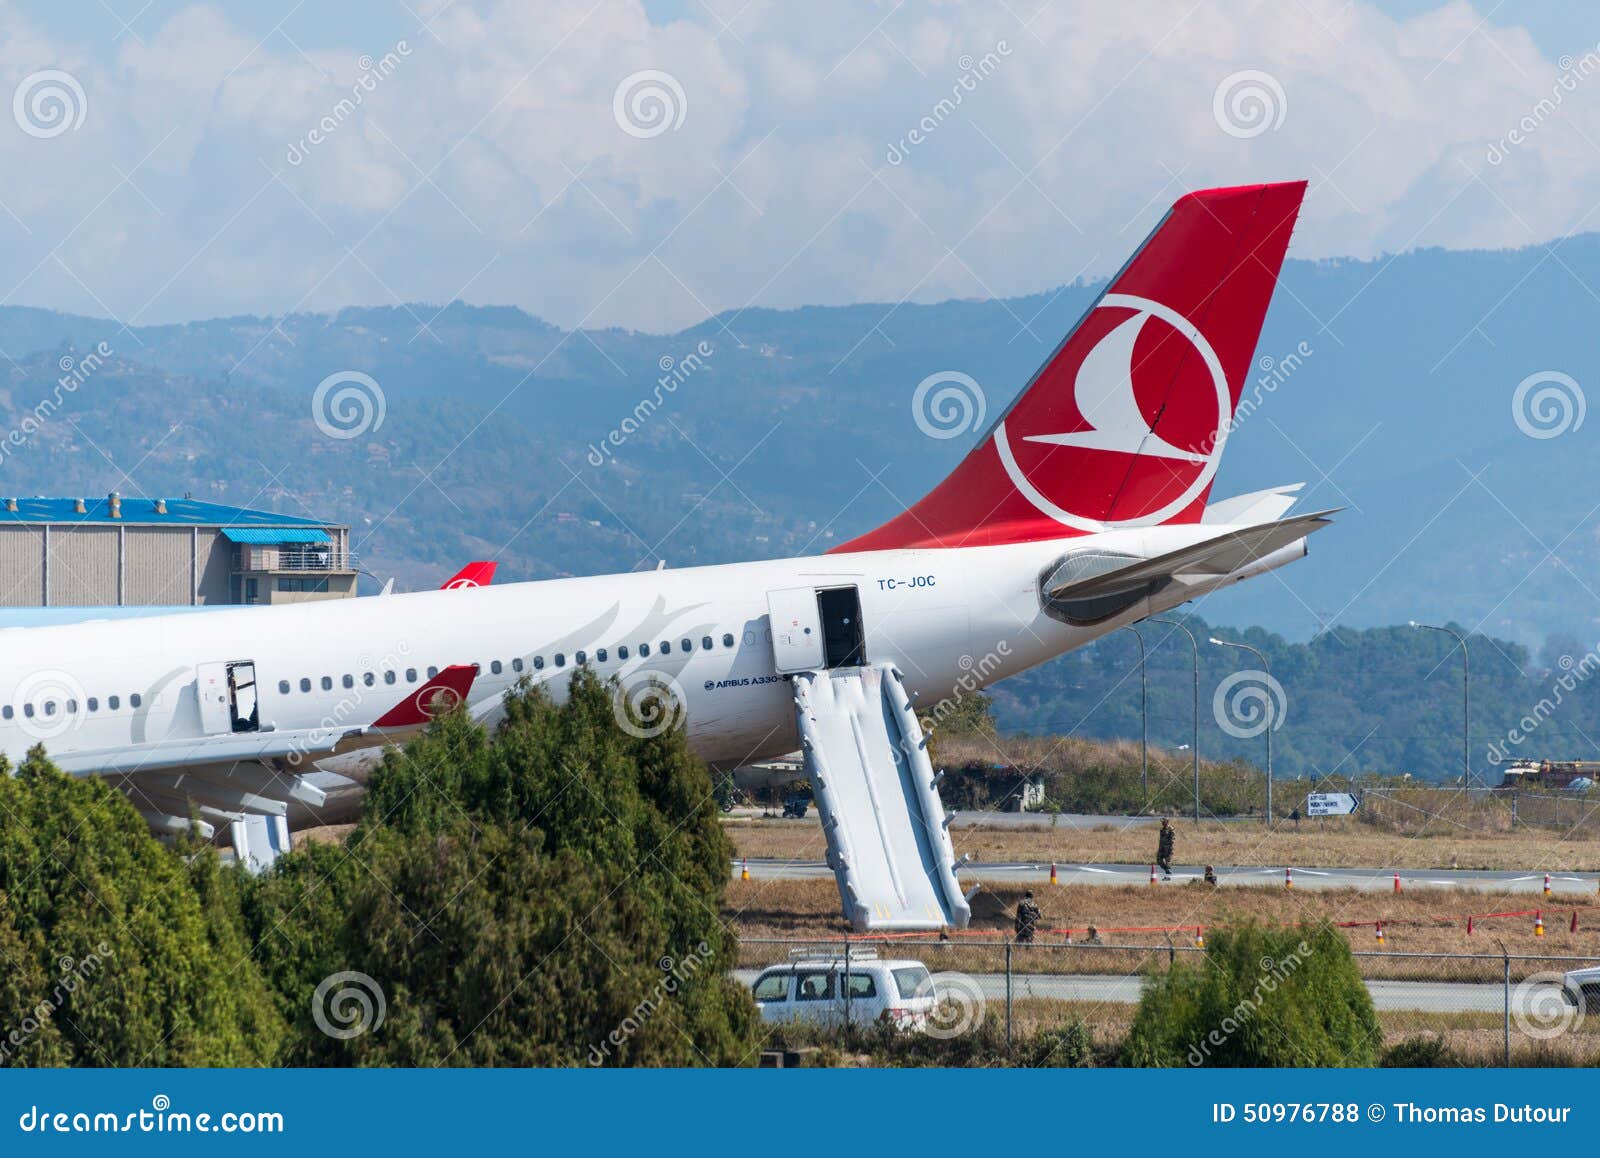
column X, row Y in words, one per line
column 948, row 618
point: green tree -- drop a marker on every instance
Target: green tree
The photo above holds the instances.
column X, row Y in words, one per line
column 115, row 951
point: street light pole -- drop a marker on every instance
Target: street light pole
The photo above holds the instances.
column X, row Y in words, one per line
column 1466, row 757
column 1144, row 718
column 1194, row 747
column 1271, row 709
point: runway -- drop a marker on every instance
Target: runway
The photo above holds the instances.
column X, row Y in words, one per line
column 1374, row 879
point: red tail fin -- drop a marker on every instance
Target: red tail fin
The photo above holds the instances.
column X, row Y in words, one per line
column 479, row 574
column 1124, row 425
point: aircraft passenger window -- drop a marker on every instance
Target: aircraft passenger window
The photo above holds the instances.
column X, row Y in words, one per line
column 283, row 687
column 432, row 671
column 327, row 683
column 749, row 638
column 305, row 685
column 368, row 678
column 388, row 677
column 94, row 704
column 580, row 658
column 411, row 675
column 600, row 655
column 6, row 712
column 538, row 663
column 622, row 651
column 688, row 645
column 72, row 707
column 113, row 702
column 134, row 701
column 644, row 650
column 561, row 660
column 666, row 647
column 705, row 642
column 27, row 710
column 727, row 640
column 49, row 707
column 348, row 680
column 495, row 667
column 516, row 664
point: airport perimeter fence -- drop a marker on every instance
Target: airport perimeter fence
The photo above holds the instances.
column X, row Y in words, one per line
column 1494, row 1007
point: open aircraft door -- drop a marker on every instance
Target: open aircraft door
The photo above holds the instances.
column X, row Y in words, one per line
column 796, row 629
column 227, row 695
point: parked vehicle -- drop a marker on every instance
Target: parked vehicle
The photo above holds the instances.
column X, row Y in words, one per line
column 812, row 988
column 1581, row 987
column 794, row 808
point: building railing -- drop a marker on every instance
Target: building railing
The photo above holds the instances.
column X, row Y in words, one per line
column 296, row 558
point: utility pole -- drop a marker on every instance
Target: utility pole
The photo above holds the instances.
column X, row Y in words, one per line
column 1194, row 747
column 1466, row 757
column 1271, row 710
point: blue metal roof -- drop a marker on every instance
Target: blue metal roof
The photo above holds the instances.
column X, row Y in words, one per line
column 272, row 535
column 179, row 512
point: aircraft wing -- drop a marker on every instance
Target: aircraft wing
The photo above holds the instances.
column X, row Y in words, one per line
column 256, row 747
column 1221, row 555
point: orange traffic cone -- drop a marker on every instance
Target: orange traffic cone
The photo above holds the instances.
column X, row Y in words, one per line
column 1053, row 879
column 1538, row 924
column 744, row 873
column 1152, row 876
column 1288, row 878
column 1380, row 932
column 1200, row 935
column 1547, row 884
column 1397, row 882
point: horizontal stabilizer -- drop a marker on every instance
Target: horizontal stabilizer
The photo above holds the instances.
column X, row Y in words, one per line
column 1251, row 510
column 1221, row 555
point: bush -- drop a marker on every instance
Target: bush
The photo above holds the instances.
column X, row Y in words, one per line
column 1263, row 996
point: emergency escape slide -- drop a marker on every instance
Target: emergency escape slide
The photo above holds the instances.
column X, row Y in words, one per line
column 888, row 834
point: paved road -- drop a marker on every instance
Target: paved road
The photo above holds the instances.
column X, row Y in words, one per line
column 1424, row 996
column 1370, row 879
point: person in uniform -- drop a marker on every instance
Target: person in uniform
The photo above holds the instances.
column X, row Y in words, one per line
column 1027, row 918
column 1164, row 849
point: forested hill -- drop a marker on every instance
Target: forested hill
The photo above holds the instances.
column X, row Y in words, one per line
column 1385, row 700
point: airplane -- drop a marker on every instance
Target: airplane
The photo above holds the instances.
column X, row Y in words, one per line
column 1084, row 508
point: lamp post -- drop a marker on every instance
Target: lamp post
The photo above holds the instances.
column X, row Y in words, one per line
column 1144, row 718
column 1271, row 709
column 1466, row 758
column 1194, row 647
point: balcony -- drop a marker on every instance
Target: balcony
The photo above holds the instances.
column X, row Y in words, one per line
column 294, row 558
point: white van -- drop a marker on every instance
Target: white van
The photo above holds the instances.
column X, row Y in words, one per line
column 811, row 988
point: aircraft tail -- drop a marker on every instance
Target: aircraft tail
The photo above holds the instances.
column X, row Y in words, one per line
column 1125, row 423
column 479, row 574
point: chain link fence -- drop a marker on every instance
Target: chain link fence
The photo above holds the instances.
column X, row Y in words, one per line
column 1495, row 1008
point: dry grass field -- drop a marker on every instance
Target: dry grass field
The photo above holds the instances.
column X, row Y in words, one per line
column 1334, row 843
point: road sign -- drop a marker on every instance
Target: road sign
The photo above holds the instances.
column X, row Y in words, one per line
column 1331, row 804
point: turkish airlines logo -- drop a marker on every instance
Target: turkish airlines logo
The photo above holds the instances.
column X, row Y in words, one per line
column 462, row 583
column 1076, row 463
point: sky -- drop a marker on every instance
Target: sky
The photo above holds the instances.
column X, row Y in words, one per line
column 646, row 165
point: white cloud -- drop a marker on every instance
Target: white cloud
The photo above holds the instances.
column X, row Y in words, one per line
column 489, row 157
